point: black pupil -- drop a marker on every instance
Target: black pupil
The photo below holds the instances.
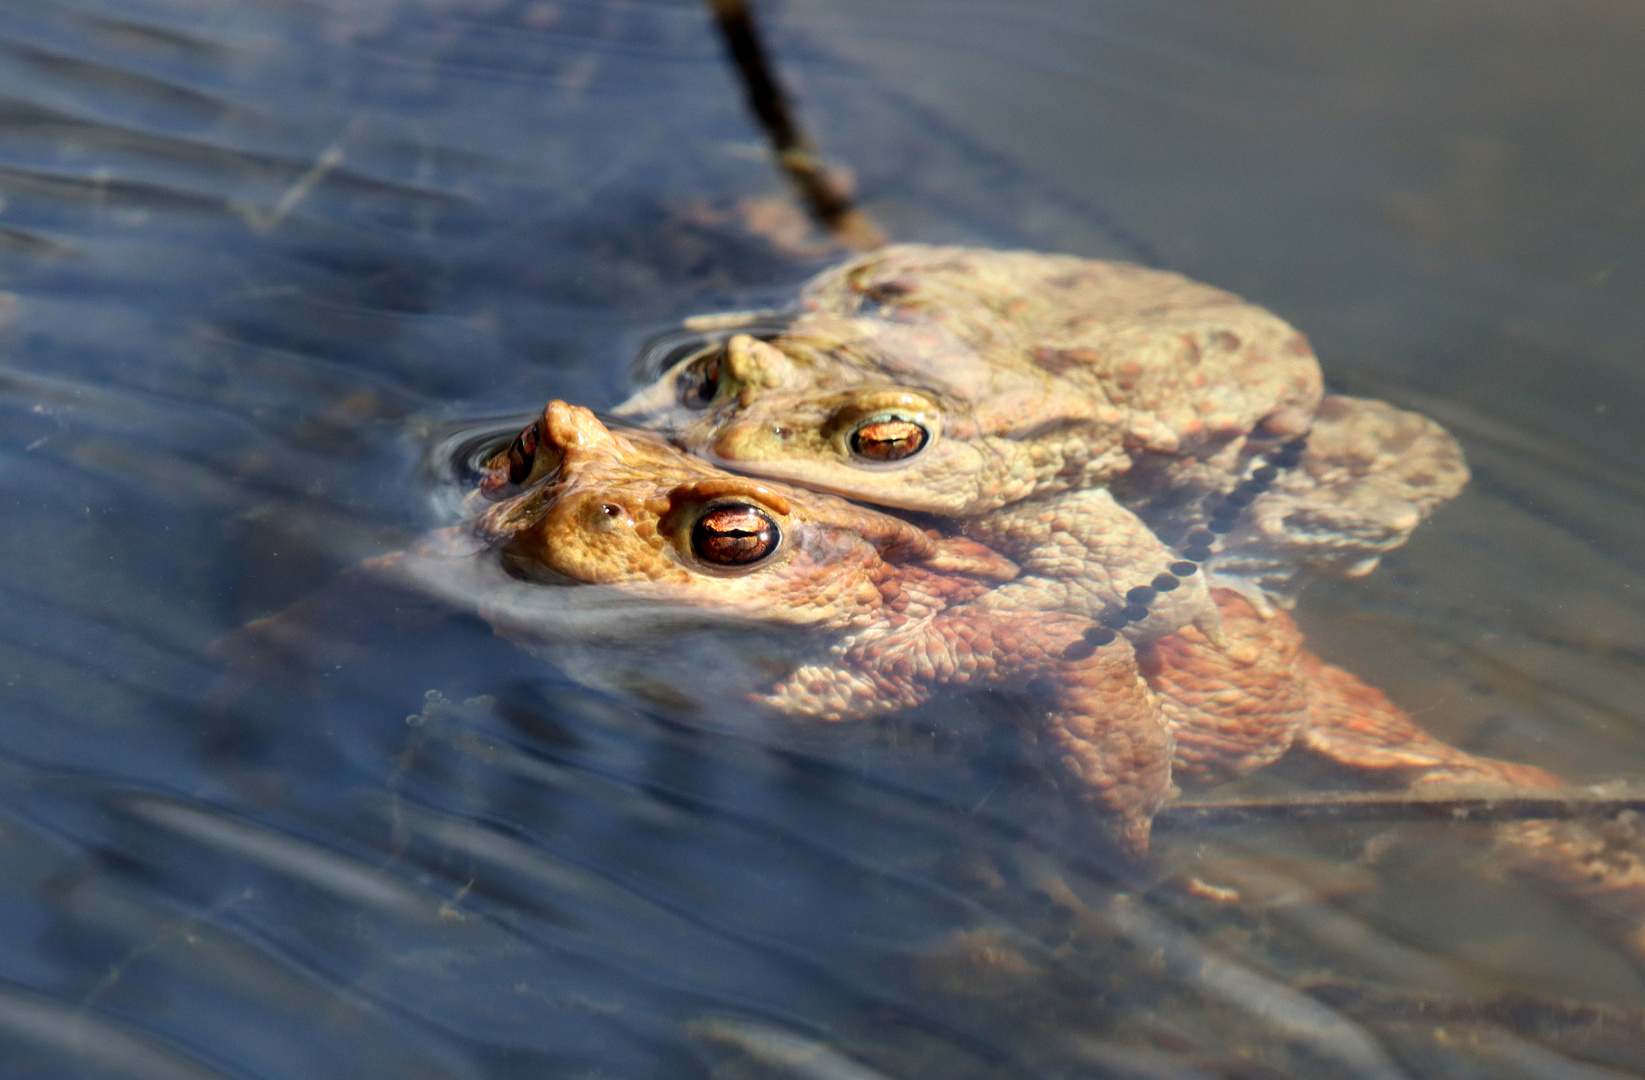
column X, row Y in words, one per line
column 522, row 455
column 734, row 536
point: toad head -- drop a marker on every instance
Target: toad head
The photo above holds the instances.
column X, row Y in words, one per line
column 580, row 503
column 954, row 381
column 837, row 408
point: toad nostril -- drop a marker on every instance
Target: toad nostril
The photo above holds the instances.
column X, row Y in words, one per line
column 611, row 509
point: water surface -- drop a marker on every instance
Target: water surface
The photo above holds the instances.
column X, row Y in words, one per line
column 258, row 257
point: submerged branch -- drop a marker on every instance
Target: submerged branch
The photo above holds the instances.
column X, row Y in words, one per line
column 827, row 199
column 1542, row 806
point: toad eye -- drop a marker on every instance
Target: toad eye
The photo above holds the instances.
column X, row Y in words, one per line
column 888, row 438
column 735, row 535
column 700, row 382
column 527, row 460
column 522, row 456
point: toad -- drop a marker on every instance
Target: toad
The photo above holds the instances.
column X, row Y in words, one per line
column 889, row 615
column 955, row 381
column 1008, row 388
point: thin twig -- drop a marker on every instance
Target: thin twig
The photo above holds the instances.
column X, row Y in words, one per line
column 1399, row 807
column 1521, row 1010
column 828, row 200
column 331, row 157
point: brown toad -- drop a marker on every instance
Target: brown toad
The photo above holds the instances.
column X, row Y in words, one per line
column 1007, row 387
column 884, row 615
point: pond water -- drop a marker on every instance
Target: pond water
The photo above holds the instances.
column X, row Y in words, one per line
column 260, row 258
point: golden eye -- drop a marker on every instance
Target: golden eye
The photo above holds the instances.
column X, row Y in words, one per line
column 700, row 382
column 522, row 456
column 888, row 438
column 735, row 535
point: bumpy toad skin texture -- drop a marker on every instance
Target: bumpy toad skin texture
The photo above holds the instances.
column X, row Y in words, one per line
column 900, row 614
column 1088, row 555
column 998, row 385
column 1238, row 708
column 1025, row 374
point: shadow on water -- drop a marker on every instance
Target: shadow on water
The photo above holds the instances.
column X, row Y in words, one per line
column 259, row 256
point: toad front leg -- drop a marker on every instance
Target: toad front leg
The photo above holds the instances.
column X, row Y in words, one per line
column 1083, row 553
column 1102, row 725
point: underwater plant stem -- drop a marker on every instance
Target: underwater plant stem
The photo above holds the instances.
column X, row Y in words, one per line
column 1376, row 807
column 826, row 198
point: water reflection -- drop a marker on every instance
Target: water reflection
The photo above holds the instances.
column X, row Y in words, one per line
column 259, row 257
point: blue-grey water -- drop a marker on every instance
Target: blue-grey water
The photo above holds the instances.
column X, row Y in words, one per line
column 258, row 257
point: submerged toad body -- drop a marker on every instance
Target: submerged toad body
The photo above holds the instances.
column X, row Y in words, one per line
column 892, row 614
column 1014, row 389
